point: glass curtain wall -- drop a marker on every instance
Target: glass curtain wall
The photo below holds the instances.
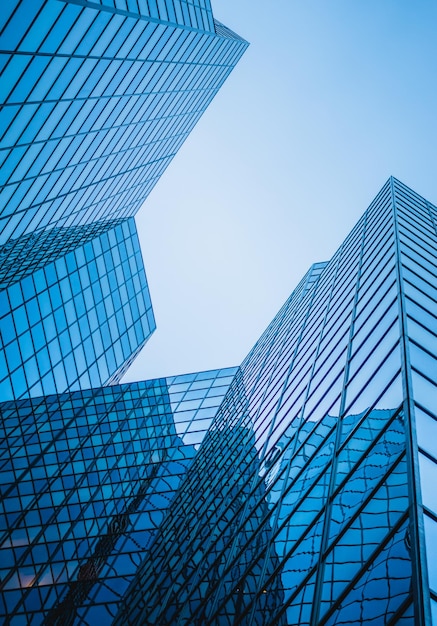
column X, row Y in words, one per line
column 86, row 478
column 97, row 100
column 326, row 503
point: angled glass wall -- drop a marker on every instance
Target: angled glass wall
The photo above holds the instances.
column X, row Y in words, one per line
column 183, row 12
column 97, row 100
column 321, row 508
column 86, row 478
column 417, row 250
column 75, row 308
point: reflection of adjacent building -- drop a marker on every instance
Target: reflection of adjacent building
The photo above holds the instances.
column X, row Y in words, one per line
column 339, row 507
column 199, row 568
column 320, row 544
column 86, row 478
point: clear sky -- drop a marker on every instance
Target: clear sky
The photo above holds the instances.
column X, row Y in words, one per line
column 331, row 98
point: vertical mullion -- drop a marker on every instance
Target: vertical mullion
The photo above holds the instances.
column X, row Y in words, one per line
column 419, row 569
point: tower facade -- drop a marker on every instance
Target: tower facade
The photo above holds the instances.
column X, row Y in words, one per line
column 315, row 500
column 75, row 308
column 86, row 478
column 97, row 99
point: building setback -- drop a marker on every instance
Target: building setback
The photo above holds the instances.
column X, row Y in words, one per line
column 75, row 308
column 96, row 100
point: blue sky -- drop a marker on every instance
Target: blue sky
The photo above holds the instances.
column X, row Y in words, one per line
column 331, row 98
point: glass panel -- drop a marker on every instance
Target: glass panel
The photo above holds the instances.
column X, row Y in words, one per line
column 428, row 479
column 424, row 392
column 434, row 611
column 426, row 426
column 431, row 542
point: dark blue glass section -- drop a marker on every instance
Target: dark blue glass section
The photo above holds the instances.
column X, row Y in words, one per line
column 310, row 500
column 86, row 479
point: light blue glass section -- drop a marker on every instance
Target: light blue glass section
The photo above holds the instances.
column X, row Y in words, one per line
column 89, row 121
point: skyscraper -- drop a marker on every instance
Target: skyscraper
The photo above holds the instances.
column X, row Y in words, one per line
column 98, row 97
column 86, row 478
column 315, row 499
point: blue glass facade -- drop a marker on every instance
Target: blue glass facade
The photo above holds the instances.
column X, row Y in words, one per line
column 86, row 478
column 97, row 99
column 71, row 320
column 182, row 12
column 296, row 489
column 321, row 509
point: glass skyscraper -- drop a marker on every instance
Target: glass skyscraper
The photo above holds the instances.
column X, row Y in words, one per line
column 98, row 97
column 312, row 498
column 86, row 478
column 96, row 100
